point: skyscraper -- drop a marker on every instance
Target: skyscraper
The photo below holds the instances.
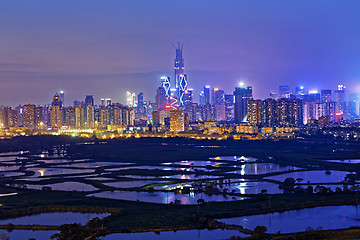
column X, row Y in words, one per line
column 284, row 91
column 177, row 120
column 70, row 117
column 218, row 96
column 55, row 112
column 29, row 116
column 160, row 98
column 340, row 99
column 165, row 83
column 188, row 96
column 325, row 95
column 180, row 77
column 242, row 95
column 89, row 100
column 62, row 97
column 299, row 91
column 206, row 95
column 254, row 111
column 229, row 107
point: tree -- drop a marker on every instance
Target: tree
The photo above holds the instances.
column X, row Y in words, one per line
column 200, row 201
column 259, row 231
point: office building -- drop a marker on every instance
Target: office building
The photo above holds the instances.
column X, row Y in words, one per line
column 177, row 120
column 242, row 95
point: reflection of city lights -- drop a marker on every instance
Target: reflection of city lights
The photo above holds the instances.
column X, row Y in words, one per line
column 42, row 172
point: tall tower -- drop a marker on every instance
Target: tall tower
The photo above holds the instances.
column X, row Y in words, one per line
column 242, row 95
column 180, row 77
column 55, row 112
column 62, row 97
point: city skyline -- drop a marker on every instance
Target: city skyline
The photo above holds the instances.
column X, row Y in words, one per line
column 106, row 50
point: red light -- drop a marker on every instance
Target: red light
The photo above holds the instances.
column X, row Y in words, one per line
column 167, row 106
column 338, row 114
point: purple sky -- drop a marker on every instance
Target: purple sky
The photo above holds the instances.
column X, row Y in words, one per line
column 105, row 48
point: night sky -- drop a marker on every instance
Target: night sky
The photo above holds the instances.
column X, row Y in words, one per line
column 105, row 48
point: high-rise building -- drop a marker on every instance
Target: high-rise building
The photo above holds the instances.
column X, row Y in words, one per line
column 340, row 99
column 282, row 111
column 140, row 100
column 55, row 112
column 70, row 117
column 130, row 99
column 165, row 83
column 188, row 97
column 242, row 95
column 295, row 111
column 254, row 111
column 80, row 117
column 202, row 98
column 13, row 117
column 160, row 98
column 29, row 116
column 218, row 96
column 325, row 95
column 284, row 91
column 177, row 120
column 299, row 92
column 104, row 118
column 89, row 100
column 62, row 97
column 39, row 117
column 229, row 107
column 3, row 117
column 90, row 116
column 180, row 77
column 206, row 95
column 269, row 112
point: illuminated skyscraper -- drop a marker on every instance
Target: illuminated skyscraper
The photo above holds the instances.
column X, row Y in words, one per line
column 177, row 120
column 206, row 95
column 104, row 118
column 269, row 112
column 299, row 91
column 340, row 99
column 90, row 116
column 180, row 77
column 29, row 116
column 55, row 112
column 62, row 97
column 218, row 96
column 160, row 98
column 3, row 117
column 70, row 117
column 254, row 111
column 165, row 83
column 229, row 107
column 80, row 117
column 242, row 95
column 325, row 95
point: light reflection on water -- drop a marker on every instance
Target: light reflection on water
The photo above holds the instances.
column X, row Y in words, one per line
column 333, row 217
column 163, row 197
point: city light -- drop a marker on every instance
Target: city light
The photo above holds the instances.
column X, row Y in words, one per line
column 241, row 84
